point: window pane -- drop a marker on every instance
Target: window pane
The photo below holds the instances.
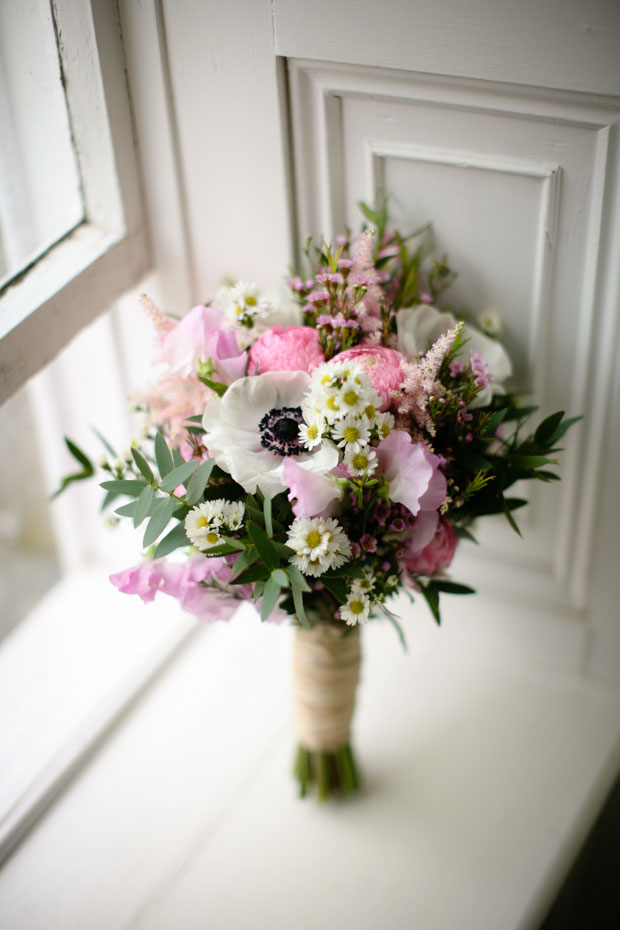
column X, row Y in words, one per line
column 40, row 199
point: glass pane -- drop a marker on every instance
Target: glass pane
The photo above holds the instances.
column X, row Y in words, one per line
column 40, row 199
column 29, row 564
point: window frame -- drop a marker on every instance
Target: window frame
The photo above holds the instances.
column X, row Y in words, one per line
column 78, row 277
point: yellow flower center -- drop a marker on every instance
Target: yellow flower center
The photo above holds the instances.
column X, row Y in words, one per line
column 385, row 430
column 326, row 379
column 356, row 607
column 313, row 431
column 238, row 310
column 202, row 521
column 313, row 539
column 351, row 398
column 331, row 403
column 212, row 537
column 351, row 434
column 250, row 301
column 360, row 462
column 369, row 411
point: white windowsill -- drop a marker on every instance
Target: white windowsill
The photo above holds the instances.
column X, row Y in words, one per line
column 482, row 772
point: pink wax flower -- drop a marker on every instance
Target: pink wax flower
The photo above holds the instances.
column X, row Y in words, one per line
column 412, row 473
column 296, row 348
column 199, row 337
column 436, row 555
column 383, row 367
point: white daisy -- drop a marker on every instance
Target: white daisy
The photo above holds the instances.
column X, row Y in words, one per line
column 255, row 426
column 356, row 609
column 234, row 512
column 311, row 432
column 319, row 544
column 360, row 463
column 351, row 432
column 202, row 524
column 384, row 423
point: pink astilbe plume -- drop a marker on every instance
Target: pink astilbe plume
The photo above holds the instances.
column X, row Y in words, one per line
column 162, row 323
column 420, row 382
column 171, row 401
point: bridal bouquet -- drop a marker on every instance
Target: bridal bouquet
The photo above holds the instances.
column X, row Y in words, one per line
column 317, row 450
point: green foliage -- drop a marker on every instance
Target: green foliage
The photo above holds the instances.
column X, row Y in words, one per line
column 87, row 470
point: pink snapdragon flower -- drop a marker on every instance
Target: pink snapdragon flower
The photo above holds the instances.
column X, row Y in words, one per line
column 295, row 348
column 436, row 555
column 412, row 473
column 383, row 367
column 199, row 336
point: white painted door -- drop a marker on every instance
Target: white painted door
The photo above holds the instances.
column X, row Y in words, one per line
column 497, row 122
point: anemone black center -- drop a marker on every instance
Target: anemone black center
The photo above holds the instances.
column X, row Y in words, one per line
column 286, row 429
column 280, row 430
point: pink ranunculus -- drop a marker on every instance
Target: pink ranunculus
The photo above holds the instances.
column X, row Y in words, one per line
column 296, row 348
column 199, row 336
column 436, row 555
column 145, row 579
column 412, row 473
column 383, row 366
column 314, row 493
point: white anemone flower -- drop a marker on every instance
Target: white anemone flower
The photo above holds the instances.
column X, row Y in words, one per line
column 419, row 327
column 255, row 426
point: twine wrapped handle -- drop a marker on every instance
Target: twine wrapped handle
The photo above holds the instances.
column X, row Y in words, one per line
column 326, row 664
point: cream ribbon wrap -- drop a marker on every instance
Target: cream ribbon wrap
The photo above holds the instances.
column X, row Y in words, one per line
column 326, row 668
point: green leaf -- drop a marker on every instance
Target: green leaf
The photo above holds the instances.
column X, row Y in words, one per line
column 431, row 595
column 142, row 464
column 464, row 533
column 297, row 579
column 259, row 587
column 337, row 587
column 219, row 388
column 178, row 475
column 280, row 577
column 199, row 481
column 159, row 521
column 300, row 613
column 127, row 510
column 105, row 443
column 80, row 456
column 252, row 573
column 245, row 560
column 284, row 551
column 163, row 456
column 270, row 597
column 548, row 427
column 143, row 504
column 510, row 517
column 563, row 428
column 452, row 587
column 130, row 487
column 267, row 515
column 394, row 621
column 171, row 541
column 177, row 458
column 264, row 546
column 529, row 461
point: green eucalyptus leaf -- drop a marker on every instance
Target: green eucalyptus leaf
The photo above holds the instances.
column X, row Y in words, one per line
column 143, row 504
column 431, row 595
column 297, row 579
column 142, row 464
column 280, row 577
column 264, row 546
column 300, row 613
column 129, row 487
column 198, row 482
column 163, row 456
column 452, row 587
column 127, row 510
column 171, row 541
column 270, row 597
column 159, row 521
column 244, row 561
column 178, row 475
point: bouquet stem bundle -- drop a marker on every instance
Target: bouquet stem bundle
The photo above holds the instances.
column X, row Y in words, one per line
column 326, row 664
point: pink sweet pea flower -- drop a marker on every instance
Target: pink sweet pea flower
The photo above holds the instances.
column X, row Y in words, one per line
column 314, row 493
column 412, row 473
column 145, row 579
column 295, row 348
column 199, row 336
